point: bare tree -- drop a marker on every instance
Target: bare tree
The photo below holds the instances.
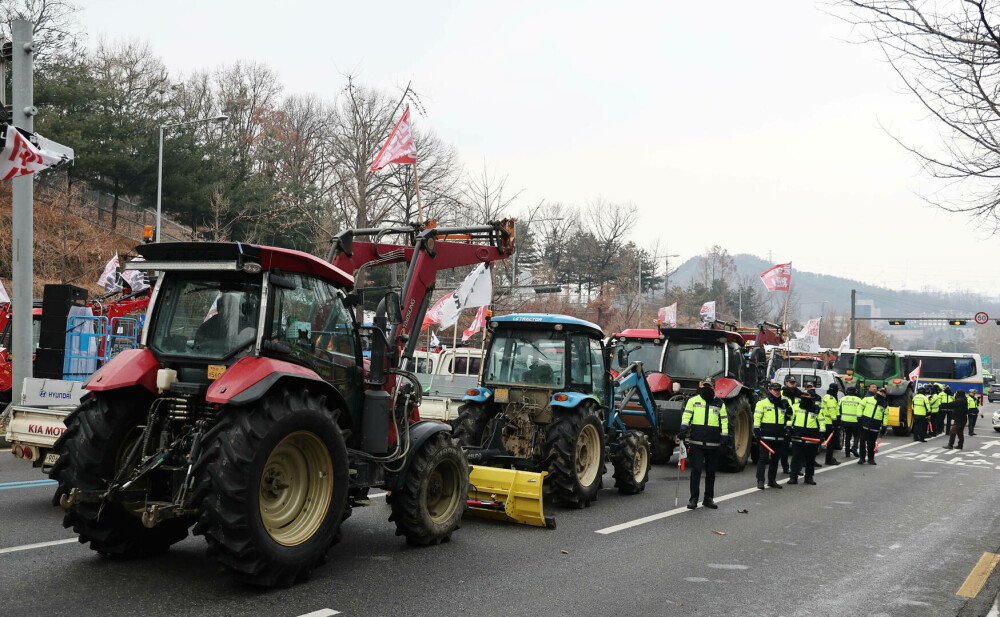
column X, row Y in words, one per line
column 56, row 30
column 486, row 197
column 948, row 55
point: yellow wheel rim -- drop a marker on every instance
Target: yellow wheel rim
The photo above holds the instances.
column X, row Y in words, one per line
column 296, row 488
column 741, row 433
column 443, row 493
column 588, row 455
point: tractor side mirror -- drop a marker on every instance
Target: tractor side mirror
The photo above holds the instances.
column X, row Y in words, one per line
column 622, row 356
column 391, row 300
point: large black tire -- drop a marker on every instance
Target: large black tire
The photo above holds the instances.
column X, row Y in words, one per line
column 737, row 452
column 631, row 462
column 430, row 505
column 574, row 445
column 262, row 468
column 472, row 425
column 97, row 439
column 662, row 449
column 904, row 404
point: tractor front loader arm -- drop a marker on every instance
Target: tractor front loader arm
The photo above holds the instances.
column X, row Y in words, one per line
column 431, row 250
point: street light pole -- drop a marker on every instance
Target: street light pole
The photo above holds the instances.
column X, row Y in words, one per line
column 159, row 165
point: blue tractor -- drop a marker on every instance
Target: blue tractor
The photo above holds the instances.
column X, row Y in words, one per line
column 544, row 403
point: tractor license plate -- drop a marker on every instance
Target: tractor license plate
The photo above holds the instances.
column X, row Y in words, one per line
column 51, row 458
column 501, row 395
column 215, row 371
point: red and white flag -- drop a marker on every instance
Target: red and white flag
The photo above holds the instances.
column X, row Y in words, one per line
column 399, row 148
column 477, row 324
column 20, row 157
column 708, row 315
column 778, row 278
column 667, row 315
column 433, row 316
column 915, row 373
column 109, row 277
column 3, row 294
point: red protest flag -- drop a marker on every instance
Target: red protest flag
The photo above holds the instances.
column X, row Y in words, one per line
column 477, row 324
column 778, row 278
column 433, row 316
column 399, row 148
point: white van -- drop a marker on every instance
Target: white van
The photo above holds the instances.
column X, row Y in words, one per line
column 445, row 376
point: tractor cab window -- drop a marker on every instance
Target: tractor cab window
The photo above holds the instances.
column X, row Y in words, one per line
column 735, row 361
column 647, row 352
column 581, row 365
column 312, row 325
column 694, row 360
column 529, row 357
column 206, row 315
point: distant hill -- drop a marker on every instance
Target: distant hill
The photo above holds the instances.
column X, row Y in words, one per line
column 812, row 288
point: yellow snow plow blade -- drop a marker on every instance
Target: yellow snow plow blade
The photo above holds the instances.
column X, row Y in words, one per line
column 508, row 495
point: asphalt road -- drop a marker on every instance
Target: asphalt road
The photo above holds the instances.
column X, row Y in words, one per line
column 899, row 538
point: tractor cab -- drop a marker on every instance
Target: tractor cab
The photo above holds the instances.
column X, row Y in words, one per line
column 547, row 355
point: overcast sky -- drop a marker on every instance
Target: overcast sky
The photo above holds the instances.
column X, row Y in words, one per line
column 756, row 126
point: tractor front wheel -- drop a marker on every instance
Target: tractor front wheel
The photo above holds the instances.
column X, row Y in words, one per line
column 574, row 442
column 432, row 500
column 272, row 487
column 631, row 462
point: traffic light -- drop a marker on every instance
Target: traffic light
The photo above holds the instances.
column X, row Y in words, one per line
column 897, row 322
column 957, row 322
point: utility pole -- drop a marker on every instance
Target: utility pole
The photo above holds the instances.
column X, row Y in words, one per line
column 854, row 342
column 22, row 97
column 666, row 276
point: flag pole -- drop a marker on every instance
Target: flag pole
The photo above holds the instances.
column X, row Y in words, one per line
column 482, row 351
column 416, row 183
column 784, row 320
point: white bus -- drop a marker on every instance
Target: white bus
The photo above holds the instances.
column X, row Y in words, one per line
column 961, row 371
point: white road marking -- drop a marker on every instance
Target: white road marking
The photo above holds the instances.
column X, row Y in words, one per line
column 323, row 612
column 683, row 509
column 843, row 503
column 28, row 547
column 727, row 566
column 374, row 495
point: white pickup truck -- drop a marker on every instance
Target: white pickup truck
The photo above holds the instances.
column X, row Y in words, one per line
column 33, row 424
column 445, row 376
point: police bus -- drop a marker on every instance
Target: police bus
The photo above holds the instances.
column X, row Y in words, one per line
column 960, row 371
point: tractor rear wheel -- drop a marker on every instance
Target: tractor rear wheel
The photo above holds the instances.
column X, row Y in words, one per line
column 272, row 487
column 574, row 443
column 472, row 425
column 631, row 462
column 99, row 435
column 737, row 452
column 430, row 505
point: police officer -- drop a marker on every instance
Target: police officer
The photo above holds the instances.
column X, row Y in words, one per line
column 872, row 416
column 935, row 417
column 830, row 408
column 807, row 425
column 850, row 416
column 921, row 410
column 947, row 409
column 811, row 390
column 769, row 418
column 705, row 416
column 791, row 394
column 973, row 412
column 959, row 410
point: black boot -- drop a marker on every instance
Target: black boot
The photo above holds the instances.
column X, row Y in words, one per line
column 710, row 503
column 774, row 485
column 692, row 503
column 760, row 485
column 793, row 480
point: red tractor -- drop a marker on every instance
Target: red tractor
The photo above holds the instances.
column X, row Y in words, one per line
column 247, row 413
column 673, row 362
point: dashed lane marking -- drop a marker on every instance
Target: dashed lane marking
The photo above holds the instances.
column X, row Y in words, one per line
column 28, row 547
column 661, row 515
column 323, row 612
column 977, row 578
